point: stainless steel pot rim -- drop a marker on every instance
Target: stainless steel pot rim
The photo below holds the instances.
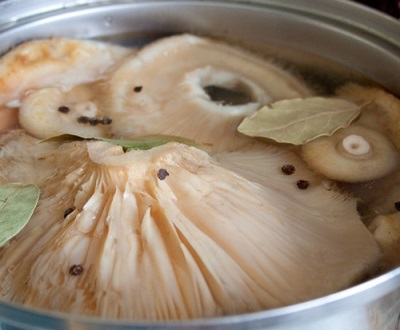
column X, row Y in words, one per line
column 14, row 12
column 366, row 22
column 367, row 291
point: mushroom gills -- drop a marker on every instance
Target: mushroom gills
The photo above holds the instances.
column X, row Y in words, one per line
column 204, row 240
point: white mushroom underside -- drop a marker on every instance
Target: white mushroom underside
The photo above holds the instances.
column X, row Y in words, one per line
column 204, row 241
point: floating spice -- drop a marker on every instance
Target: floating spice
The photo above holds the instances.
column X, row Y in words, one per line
column 138, row 89
column 303, row 184
column 288, row 169
column 76, row 270
column 94, row 121
column 63, row 109
column 162, row 173
column 83, row 119
column 397, row 206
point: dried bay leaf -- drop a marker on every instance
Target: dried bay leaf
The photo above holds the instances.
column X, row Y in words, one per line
column 144, row 143
column 17, row 203
column 298, row 121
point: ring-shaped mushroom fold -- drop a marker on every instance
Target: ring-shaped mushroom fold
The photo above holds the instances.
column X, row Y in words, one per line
column 196, row 88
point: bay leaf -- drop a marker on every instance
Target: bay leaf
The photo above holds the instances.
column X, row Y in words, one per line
column 144, row 143
column 298, row 121
column 17, row 204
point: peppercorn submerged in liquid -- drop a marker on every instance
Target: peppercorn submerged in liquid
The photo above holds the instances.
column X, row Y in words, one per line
column 188, row 231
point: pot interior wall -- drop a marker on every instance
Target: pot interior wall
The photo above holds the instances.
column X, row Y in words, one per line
column 286, row 28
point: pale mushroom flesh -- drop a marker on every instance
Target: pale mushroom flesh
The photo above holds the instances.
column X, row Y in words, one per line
column 173, row 233
column 217, row 85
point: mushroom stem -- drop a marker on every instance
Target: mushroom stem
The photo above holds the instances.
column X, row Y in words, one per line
column 356, row 145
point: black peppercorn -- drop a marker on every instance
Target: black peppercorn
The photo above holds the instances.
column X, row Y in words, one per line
column 137, row 89
column 302, row 184
column 68, row 211
column 63, row 109
column 76, row 270
column 397, row 206
column 162, row 173
column 94, row 121
column 288, row 169
column 83, row 120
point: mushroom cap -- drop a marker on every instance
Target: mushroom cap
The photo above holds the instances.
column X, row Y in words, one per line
column 173, row 233
column 52, row 111
column 381, row 110
column 196, row 88
column 54, row 62
column 352, row 154
column 37, row 77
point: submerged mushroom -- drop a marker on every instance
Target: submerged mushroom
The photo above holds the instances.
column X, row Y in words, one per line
column 186, row 77
column 8, row 118
column 173, row 233
column 52, row 111
column 58, row 64
column 386, row 230
column 381, row 110
column 352, row 154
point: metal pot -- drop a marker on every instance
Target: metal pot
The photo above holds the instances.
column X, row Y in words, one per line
column 339, row 34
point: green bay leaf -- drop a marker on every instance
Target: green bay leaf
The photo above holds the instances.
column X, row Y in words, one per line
column 17, row 204
column 298, row 121
column 144, row 143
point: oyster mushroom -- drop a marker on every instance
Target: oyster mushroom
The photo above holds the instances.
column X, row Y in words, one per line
column 51, row 111
column 381, row 110
column 173, row 233
column 352, row 154
column 57, row 65
column 186, row 77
